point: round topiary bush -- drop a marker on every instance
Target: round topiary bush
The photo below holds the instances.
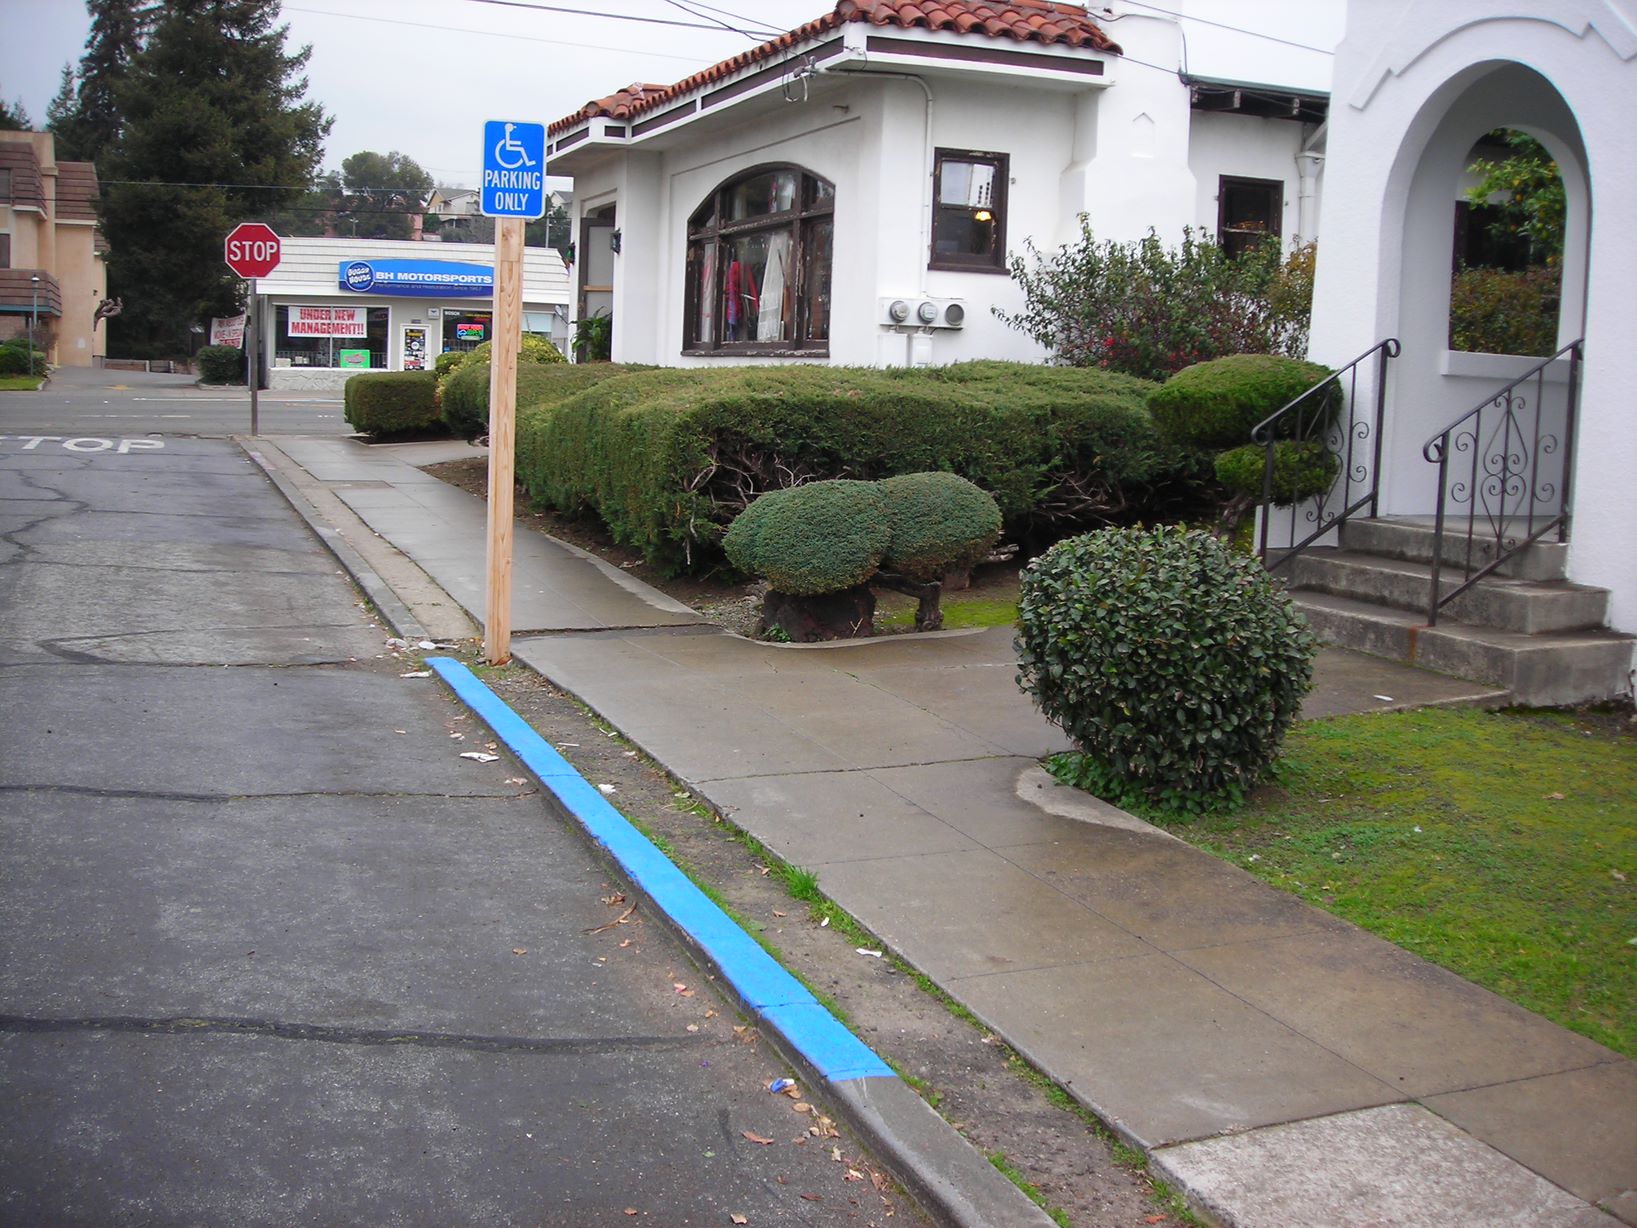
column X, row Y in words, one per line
column 220, row 364
column 530, row 349
column 1174, row 664
column 1215, row 404
column 817, row 538
column 938, row 523
column 1301, row 470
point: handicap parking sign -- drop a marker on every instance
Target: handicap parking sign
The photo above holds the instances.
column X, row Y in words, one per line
column 514, row 169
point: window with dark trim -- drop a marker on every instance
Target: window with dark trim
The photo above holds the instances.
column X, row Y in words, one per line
column 5, row 251
column 1247, row 211
column 969, row 211
column 759, row 254
column 5, row 183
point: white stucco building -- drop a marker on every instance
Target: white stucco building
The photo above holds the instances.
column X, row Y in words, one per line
column 776, row 206
column 335, row 307
column 1416, row 87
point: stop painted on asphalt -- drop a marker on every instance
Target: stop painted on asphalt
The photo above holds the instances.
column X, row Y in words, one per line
column 83, row 443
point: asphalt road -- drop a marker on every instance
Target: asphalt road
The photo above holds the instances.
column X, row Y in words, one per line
column 271, row 950
column 80, row 402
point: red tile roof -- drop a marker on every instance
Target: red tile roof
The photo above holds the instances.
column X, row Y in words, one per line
column 1038, row 21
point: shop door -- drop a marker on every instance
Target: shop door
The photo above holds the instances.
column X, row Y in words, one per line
column 413, row 349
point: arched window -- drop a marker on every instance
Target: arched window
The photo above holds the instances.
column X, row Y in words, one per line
column 759, row 265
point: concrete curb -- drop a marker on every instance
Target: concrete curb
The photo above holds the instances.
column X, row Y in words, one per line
column 393, row 611
column 948, row 1177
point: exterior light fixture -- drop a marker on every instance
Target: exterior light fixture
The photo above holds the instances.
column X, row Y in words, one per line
column 614, row 241
column 983, row 215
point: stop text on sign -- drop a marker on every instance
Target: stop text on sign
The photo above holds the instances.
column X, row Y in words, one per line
column 252, row 249
column 255, row 251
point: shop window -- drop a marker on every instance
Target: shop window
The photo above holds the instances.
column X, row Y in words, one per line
column 466, row 330
column 969, row 211
column 323, row 335
column 759, row 256
column 1247, row 211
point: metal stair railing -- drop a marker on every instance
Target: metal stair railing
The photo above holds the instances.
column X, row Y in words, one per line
column 1512, row 500
column 1351, row 437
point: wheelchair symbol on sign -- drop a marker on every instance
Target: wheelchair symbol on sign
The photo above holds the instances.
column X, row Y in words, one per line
column 510, row 154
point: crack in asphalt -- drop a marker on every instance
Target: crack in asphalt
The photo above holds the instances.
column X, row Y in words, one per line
column 189, row 1025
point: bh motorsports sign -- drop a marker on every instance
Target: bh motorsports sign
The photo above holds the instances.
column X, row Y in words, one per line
column 417, row 278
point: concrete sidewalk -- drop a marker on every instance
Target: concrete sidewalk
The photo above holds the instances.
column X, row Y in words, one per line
column 1280, row 1066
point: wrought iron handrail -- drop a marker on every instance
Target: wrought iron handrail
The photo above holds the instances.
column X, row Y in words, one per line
column 1506, row 478
column 1314, row 417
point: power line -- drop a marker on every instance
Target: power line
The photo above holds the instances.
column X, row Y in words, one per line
column 507, row 35
column 557, row 8
column 1206, row 21
column 764, row 31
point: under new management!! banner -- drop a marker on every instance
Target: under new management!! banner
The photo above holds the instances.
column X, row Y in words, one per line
column 328, row 322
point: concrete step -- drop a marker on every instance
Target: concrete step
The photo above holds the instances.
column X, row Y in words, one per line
column 1542, row 670
column 1531, row 607
column 1412, row 538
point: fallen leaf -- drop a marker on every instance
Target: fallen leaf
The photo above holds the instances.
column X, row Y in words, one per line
column 881, row 1183
column 520, row 950
column 777, row 913
column 1617, row 876
column 693, row 1027
column 853, row 1175
column 814, row 1197
column 752, row 1136
column 710, row 1012
column 801, row 1106
column 1155, row 1219
column 835, row 1154
column 630, row 1210
column 625, row 942
column 738, row 1219
column 1553, row 797
column 619, row 920
column 617, row 898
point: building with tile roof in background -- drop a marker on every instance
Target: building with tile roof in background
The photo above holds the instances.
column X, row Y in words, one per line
column 52, row 253
column 853, row 190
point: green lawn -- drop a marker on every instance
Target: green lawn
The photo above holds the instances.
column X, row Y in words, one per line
column 21, row 383
column 1500, row 845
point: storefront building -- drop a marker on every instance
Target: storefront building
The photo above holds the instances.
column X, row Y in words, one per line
column 335, row 307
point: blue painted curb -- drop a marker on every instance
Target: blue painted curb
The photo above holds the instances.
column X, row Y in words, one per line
column 765, row 988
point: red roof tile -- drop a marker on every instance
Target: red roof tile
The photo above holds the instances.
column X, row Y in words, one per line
column 1038, row 21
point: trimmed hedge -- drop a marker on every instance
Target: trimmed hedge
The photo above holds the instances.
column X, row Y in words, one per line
column 392, row 402
column 14, row 360
column 938, row 523
column 220, row 364
column 1301, row 470
column 1214, row 405
column 1173, row 663
column 466, row 390
column 819, row 538
column 667, row 458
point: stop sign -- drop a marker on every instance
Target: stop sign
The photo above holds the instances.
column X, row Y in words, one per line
column 252, row 249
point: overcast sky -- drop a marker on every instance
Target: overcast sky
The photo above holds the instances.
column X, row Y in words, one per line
column 421, row 76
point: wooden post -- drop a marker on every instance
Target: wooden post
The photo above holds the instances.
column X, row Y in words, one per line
column 508, row 330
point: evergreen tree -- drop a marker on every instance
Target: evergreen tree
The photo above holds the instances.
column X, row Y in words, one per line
column 14, row 116
column 89, row 125
column 215, row 132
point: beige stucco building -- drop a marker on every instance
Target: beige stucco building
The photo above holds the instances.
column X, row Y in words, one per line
column 52, row 254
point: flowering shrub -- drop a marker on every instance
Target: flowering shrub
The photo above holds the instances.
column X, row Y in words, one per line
column 1148, row 310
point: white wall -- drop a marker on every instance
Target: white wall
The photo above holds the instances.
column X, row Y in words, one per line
column 1414, row 89
column 1246, row 147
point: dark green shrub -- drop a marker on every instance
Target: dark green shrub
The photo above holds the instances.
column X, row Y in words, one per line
column 530, row 349
column 1214, row 405
column 1493, row 311
column 14, row 360
column 667, row 458
column 465, row 393
column 819, row 538
column 1301, row 470
column 938, row 523
column 446, row 362
column 1175, row 665
column 220, row 364
column 392, row 402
